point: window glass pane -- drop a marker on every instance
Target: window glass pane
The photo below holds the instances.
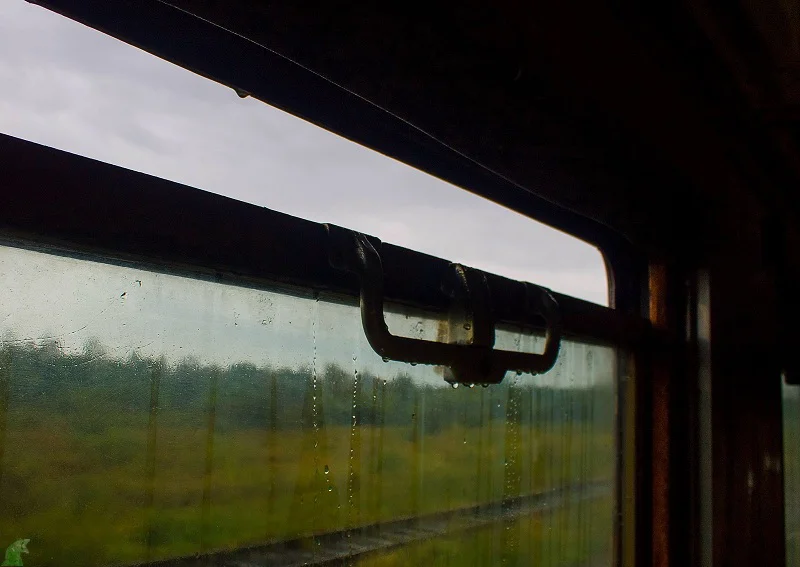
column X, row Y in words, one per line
column 791, row 471
column 148, row 416
column 70, row 87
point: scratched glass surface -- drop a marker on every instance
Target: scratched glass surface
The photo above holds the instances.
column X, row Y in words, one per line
column 791, row 471
column 147, row 416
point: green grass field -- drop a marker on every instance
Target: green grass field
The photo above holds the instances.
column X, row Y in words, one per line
column 113, row 463
column 88, row 498
column 573, row 536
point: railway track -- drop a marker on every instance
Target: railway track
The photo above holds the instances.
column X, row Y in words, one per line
column 335, row 548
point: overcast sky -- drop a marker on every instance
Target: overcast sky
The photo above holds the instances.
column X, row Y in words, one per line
column 73, row 88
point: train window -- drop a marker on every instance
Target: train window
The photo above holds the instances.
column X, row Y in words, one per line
column 73, row 88
column 150, row 416
column 184, row 380
column 791, row 471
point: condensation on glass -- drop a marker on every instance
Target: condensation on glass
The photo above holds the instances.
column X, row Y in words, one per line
column 147, row 416
column 791, row 471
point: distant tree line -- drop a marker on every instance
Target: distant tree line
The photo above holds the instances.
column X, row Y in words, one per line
column 93, row 391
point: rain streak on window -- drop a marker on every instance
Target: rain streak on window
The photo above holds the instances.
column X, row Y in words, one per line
column 147, row 416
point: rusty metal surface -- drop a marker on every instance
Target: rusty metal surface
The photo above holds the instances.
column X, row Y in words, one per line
column 661, row 434
column 670, row 425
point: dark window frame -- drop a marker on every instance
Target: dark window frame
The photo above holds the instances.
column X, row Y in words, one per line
column 232, row 60
column 64, row 202
column 67, row 204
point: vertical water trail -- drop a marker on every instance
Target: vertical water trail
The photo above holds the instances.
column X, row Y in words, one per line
column 209, row 464
column 6, row 373
column 318, row 480
column 150, row 456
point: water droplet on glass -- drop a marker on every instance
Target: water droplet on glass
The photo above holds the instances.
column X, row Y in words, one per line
column 471, row 386
column 454, row 385
column 413, row 364
column 465, row 440
column 519, row 372
column 385, row 359
column 485, row 385
column 355, row 357
column 327, row 469
column 330, row 489
column 467, row 326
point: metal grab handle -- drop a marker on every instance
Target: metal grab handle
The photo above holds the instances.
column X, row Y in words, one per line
column 475, row 363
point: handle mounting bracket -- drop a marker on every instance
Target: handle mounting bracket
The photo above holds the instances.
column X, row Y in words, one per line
column 476, row 362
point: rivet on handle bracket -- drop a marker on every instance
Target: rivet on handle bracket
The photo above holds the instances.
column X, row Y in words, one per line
column 473, row 363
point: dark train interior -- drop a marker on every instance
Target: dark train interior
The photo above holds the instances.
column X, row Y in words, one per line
column 191, row 379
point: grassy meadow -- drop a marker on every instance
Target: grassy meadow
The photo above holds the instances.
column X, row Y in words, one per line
column 106, row 461
column 574, row 535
